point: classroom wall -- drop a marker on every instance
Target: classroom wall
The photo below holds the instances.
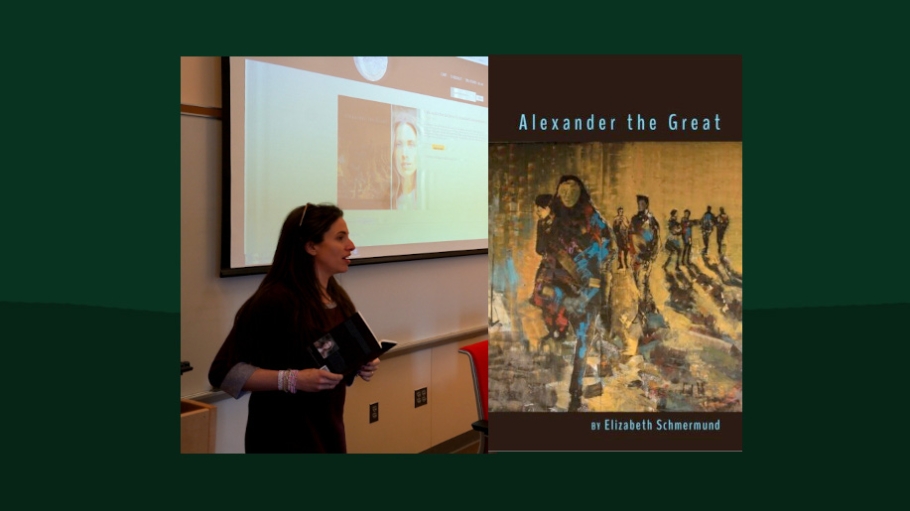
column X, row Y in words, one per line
column 440, row 300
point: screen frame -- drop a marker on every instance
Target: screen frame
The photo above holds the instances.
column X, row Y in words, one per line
column 226, row 175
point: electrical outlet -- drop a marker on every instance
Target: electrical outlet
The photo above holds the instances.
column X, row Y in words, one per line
column 374, row 412
column 420, row 397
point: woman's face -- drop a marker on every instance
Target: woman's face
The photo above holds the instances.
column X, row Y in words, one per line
column 405, row 150
column 332, row 253
column 568, row 192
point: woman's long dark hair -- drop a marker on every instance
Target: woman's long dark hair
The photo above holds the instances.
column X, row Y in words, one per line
column 295, row 268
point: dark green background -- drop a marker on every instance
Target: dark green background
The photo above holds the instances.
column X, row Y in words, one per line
column 89, row 300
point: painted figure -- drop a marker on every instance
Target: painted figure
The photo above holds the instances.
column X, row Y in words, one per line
column 674, row 240
column 551, row 280
column 687, row 226
column 645, row 233
column 723, row 222
column 580, row 246
column 708, row 221
column 621, row 232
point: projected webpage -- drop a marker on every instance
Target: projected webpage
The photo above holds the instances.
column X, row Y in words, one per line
column 400, row 144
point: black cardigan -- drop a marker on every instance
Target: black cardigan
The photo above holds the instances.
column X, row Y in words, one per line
column 266, row 335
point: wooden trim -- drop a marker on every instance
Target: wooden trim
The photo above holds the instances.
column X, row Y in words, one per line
column 197, row 426
column 465, row 443
column 201, row 111
column 403, row 348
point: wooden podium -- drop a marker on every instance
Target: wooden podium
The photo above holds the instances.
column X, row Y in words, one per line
column 197, row 427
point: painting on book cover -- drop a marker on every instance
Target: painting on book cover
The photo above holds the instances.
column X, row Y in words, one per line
column 616, row 277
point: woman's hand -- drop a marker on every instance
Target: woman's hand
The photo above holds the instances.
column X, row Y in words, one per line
column 367, row 370
column 314, row 380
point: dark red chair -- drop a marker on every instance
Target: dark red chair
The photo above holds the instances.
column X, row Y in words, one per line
column 478, row 357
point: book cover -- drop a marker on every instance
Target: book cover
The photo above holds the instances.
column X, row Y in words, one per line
column 616, row 253
column 348, row 346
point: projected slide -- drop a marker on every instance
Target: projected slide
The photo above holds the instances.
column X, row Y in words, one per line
column 400, row 144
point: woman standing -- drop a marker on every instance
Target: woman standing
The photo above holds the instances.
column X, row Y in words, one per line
column 581, row 249
column 294, row 406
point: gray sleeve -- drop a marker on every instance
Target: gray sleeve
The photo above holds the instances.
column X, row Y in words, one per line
column 236, row 378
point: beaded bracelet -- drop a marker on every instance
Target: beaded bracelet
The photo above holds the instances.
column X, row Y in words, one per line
column 292, row 387
column 281, row 384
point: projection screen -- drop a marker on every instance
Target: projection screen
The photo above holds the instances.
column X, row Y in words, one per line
column 398, row 143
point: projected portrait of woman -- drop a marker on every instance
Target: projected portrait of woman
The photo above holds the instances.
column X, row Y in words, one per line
column 405, row 158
